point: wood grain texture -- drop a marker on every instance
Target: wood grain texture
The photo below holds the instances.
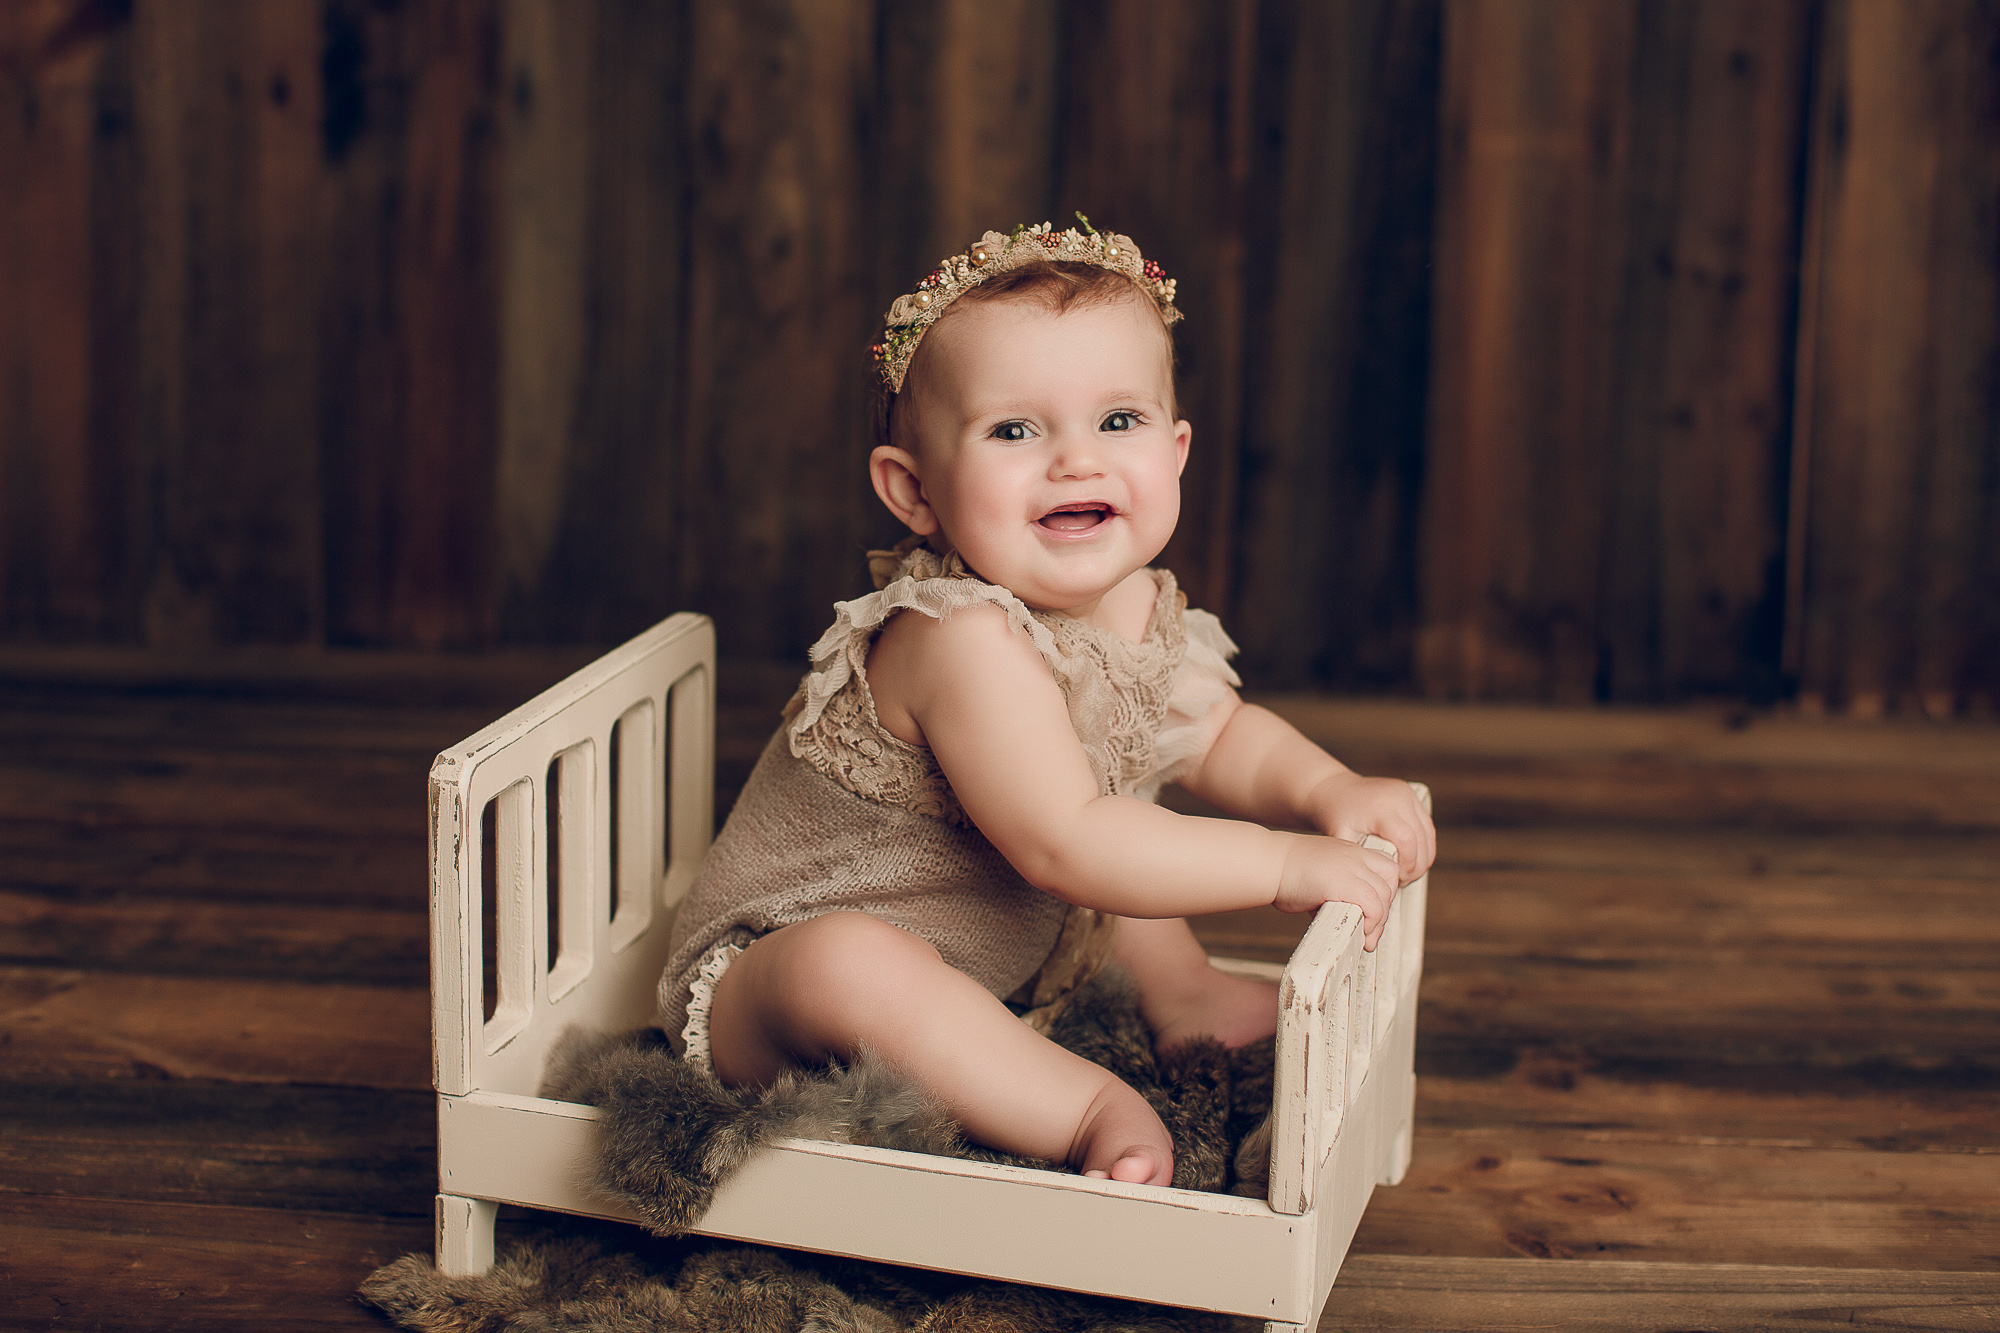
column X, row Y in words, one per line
column 1154, row 140
column 331, row 322
column 1834, row 1017
column 965, row 138
column 1896, row 470
column 259, row 813
column 1697, row 1105
column 1714, row 766
column 409, row 424
column 1827, row 853
column 1692, row 560
column 360, row 796
column 1472, row 1295
column 1618, row 221
column 1533, row 161
column 227, row 105
column 597, row 164
column 288, row 941
column 548, row 57
column 1695, row 738
column 71, row 1024
column 385, row 677
column 1621, row 997
column 119, row 1265
column 1321, row 579
column 781, row 311
column 72, row 530
column 1708, row 918
column 1550, row 1197
column 98, row 862
column 237, row 1145
column 1723, row 921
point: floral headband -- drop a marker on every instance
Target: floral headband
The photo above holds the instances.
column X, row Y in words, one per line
column 994, row 254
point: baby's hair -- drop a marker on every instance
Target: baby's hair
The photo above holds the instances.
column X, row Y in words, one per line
column 1058, row 286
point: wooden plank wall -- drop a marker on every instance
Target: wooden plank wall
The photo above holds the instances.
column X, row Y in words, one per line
column 248, row 268
column 1716, row 381
column 1637, row 350
column 1897, row 469
column 1617, row 231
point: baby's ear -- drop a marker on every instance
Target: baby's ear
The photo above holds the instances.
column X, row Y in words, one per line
column 897, row 481
column 1183, row 437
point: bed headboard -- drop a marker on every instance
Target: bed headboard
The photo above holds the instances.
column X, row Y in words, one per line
column 562, row 837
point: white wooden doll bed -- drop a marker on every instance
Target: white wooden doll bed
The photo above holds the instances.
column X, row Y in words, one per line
column 602, row 785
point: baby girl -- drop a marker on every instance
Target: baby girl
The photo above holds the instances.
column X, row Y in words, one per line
column 955, row 826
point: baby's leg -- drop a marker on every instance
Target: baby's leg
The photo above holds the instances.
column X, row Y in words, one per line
column 831, row 985
column 1182, row 996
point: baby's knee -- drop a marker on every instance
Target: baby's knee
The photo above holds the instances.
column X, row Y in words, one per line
column 847, row 960
column 813, row 989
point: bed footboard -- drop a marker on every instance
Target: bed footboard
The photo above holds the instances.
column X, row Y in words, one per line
column 1347, row 1023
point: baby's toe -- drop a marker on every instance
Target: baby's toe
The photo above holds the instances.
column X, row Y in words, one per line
column 1143, row 1166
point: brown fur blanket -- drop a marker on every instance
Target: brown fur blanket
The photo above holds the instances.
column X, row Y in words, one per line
column 670, row 1135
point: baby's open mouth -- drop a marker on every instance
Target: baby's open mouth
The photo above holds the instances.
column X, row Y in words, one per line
column 1080, row 517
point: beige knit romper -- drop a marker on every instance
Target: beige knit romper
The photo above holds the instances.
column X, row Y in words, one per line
column 840, row 815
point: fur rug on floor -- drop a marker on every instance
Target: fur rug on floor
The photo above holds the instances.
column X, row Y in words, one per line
column 670, row 1135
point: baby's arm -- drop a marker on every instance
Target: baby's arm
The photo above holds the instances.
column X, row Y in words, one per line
column 981, row 697
column 1259, row 767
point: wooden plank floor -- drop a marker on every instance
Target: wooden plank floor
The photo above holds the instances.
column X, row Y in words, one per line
column 1709, row 1033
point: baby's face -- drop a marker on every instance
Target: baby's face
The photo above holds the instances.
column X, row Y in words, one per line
column 1045, row 445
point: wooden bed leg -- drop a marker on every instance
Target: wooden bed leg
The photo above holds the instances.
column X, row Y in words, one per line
column 1398, row 1160
column 1273, row 1326
column 464, row 1235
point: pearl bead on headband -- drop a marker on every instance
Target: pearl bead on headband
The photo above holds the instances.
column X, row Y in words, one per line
column 994, row 254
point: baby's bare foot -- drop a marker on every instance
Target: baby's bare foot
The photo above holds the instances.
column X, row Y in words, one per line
column 1137, row 1167
column 1121, row 1139
column 1234, row 1010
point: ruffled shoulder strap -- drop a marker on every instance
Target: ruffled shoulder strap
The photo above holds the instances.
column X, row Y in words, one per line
column 921, row 582
column 1209, row 646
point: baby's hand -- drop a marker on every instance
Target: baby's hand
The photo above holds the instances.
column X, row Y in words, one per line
column 1349, row 807
column 1322, row 870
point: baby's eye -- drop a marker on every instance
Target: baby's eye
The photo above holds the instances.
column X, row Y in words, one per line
column 1121, row 421
column 1011, row 431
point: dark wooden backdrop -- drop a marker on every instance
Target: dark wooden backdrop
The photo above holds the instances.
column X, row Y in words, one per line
column 1630, row 350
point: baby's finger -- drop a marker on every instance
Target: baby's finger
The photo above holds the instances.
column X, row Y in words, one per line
column 1413, row 841
column 1374, row 915
column 1384, row 847
column 1414, row 849
column 1384, row 876
column 1430, row 837
column 1381, row 865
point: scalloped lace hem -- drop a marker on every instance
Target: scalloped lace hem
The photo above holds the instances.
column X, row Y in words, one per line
column 701, row 999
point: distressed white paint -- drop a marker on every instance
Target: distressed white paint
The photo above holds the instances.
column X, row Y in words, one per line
column 1345, row 1048
column 607, row 983
column 464, row 1234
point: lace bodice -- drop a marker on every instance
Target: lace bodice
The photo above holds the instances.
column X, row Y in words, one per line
column 1139, row 709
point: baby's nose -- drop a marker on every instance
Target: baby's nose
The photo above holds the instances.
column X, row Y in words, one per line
column 1076, row 458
